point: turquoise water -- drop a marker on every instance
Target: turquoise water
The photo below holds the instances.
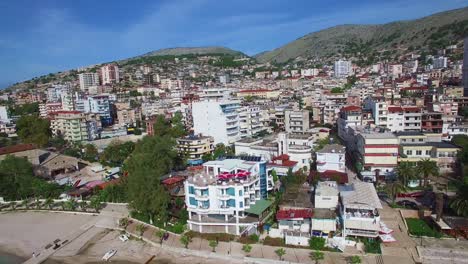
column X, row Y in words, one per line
column 10, row 259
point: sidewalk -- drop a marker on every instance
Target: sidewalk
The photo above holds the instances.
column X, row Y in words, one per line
column 233, row 250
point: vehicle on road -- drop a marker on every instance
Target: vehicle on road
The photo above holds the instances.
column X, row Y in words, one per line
column 408, row 204
column 123, row 238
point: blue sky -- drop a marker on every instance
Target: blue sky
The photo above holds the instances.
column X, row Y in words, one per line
column 39, row 37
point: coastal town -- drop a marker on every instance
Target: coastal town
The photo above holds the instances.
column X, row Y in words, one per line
column 208, row 155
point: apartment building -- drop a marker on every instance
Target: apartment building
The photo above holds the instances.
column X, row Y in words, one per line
column 360, row 210
column 69, row 124
column 250, row 123
column 296, row 121
column 377, row 152
column 88, row 79
column 219, row 119
column 350, row 116
column 342, row 68
column 331, row 158
column 432, row 122
column 99, row 104
column 195, row 147
column 228, row 196
column 413, row 118
column 395, row 118
column 110, row 74
column 416, row 146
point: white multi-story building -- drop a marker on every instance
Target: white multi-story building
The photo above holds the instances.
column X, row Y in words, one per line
column 439, row 62
column 326, row 195
column 250, row 123
column 228, row 196
column 218, row 119
column 110, row 74
column 395, row 118
column 88, row 79
column 342, row 68
column 99, row 104
column 4, row 114
column 360, row 210
column 331, row 158
column 69, row 124
column 214, row 94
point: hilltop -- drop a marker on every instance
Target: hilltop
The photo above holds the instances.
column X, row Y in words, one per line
column 178, row 51
column 428, row 33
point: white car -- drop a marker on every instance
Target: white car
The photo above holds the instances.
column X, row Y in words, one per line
column 123, row 238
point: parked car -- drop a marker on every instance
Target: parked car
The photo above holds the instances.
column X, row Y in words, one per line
column 123, row 238
column 408, row 204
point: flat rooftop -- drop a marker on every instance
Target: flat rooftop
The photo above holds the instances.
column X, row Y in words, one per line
column 333, row 148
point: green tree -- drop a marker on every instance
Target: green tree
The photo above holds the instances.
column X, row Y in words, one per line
column 83, row 205
column 460, row 203
column 426, row 168
column 95, row 203
column 221, row 151
column 32, row 129
column 280, row 252
column 355, row 260
column 49, row 202
column 393, row 189
column 71, row 205
column 213, row 244
column 247, row 248
column 160, row 234
column 317, row 243
column 406, row 171
column 153, row 157
column 185, row 240
column 316, row 256
column 16, row 177
column 116, row 153
column 274, row 175
column 90, row 153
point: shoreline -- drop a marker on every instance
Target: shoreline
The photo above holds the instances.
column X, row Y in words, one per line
column 9, row 256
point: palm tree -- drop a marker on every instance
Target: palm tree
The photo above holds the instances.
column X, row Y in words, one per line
column 247, row 248
column 355, row 260
column 426, row 168
column 460, row 203
column 48, row 203
column 185, row 240
column 280, row 252
column 406, row 172
column 213, row 244
column 71, row 205
column 316, row 256
column 393, row 189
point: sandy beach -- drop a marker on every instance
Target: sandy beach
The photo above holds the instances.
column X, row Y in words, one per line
column 23, row 233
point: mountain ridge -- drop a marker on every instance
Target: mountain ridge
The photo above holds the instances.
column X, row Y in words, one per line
column 331, row 40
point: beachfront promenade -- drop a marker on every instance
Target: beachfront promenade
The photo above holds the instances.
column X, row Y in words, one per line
column 229, row 252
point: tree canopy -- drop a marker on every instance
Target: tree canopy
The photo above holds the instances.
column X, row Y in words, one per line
column 32, row 129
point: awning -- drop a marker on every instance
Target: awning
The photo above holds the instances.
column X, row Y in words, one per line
column 259, row 207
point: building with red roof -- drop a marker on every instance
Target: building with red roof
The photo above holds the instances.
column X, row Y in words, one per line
column 282, row 163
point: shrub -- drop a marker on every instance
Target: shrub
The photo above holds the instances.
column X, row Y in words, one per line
column 276, row 242
column 317, row 243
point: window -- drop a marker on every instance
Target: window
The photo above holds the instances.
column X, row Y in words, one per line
column 419, row 152
column 192, row 201
column 420, row 140
column 191, row 190
column 241, row 204
column 428, row 152
column 240, row 193
column 409, row 152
